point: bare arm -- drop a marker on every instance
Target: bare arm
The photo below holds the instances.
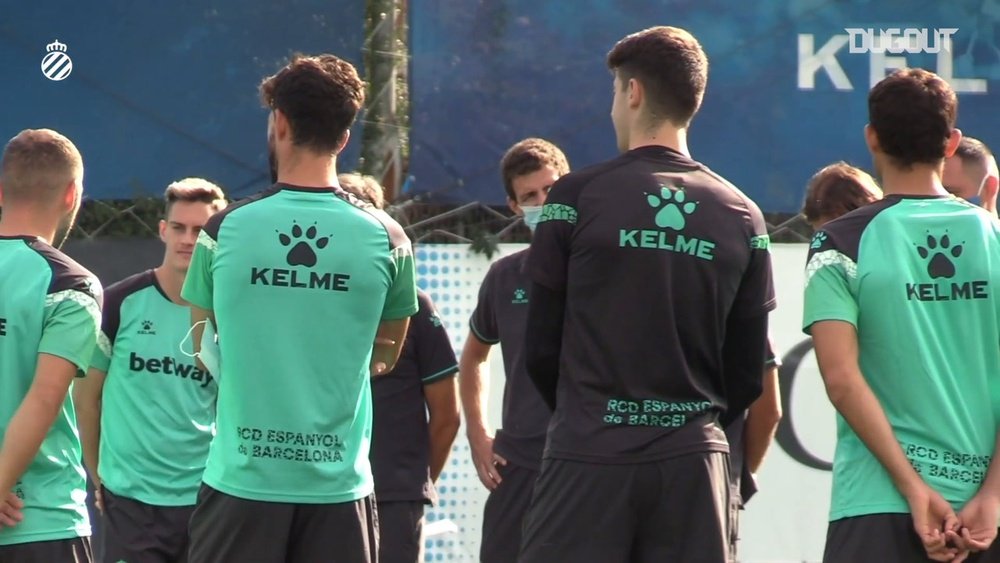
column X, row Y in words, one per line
column 87, row 399
column 980, row 515
column 388, row 345
column 473, row 392
column 444, row 420
column 836, row 345
column 762, row 421
column 34, row 417
column 471, row 387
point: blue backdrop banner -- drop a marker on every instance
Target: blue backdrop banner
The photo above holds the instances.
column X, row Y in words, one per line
column 786, row 94
column 162, row 90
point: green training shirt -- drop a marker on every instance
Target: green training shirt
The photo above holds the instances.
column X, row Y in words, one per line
column 158, row 408
column 299, row 281
column 919, row 278
column 49, row 304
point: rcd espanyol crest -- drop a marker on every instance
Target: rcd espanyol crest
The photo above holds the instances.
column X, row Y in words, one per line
column 56, row 65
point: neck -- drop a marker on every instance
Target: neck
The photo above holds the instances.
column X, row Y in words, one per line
column 666, row 135
column 308, row 170
column 19, row 221
column 171, row 281
column 921, row 179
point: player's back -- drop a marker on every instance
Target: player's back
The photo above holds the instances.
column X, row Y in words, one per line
column 302, row 279
column 44, row 299
column 658, row 254
column 921, row 275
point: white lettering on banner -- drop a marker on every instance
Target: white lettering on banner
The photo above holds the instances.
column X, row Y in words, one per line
column 785, row 521
column 811, row 61
column 896, row 41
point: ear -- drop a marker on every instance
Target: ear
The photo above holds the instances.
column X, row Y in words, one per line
column 70, row 196
column 343, row 141
column 514, row 207
column 871, row 139
column 953, row 140
column 281, row 127
column 635, row 93
column 163, row 230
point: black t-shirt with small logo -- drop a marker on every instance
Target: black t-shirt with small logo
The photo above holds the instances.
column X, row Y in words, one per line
column 500, row 318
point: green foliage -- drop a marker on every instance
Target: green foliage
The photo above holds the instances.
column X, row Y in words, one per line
column 486, row 243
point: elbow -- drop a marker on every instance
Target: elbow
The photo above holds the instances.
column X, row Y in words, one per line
column 838, row 387
column 771, row 417
column 446, row 425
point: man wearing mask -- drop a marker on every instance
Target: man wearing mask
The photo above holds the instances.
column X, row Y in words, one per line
column 508, row 463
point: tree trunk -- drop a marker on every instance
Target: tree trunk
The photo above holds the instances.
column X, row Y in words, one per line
column 381, row 139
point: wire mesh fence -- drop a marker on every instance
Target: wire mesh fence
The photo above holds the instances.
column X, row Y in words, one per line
column 479, row 225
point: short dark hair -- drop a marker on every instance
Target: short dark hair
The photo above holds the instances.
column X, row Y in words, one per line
column 319, row 95
column 671, row 66
column 971, row 150
column 37, row 166
column 837, row 189
column 364, row 187
column 527, row 156
column 913, row 113
column 193, row 190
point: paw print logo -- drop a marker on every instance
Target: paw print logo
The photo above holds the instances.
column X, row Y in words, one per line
column 520, row 296
column 301, row 252
column 19, row 492
column 147, row 325
column 672, row 208
column 940, row 251
column 818, row 240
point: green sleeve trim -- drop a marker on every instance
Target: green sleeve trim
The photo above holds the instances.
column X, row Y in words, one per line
column 483, row 339
column 558, row 212
column 443, row 374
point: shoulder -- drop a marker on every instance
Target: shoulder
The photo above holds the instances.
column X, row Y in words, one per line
column 568, row 188
column 67, row 274
column 511, row 263
column 843, row 235
column 214, row 223
column 117, row 292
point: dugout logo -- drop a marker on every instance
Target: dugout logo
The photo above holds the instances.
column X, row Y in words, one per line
column 939, row 255
column 57, row 65
column 671, row 209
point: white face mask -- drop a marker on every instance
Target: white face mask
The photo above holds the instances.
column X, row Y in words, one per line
column 209, row 354
column 532, row 214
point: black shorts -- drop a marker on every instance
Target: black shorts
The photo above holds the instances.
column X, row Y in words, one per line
column 503, row 515
column 735, row 507
column 227, row 528
column 876, row 538
column 76, row 550
column 401, row 531
column 137, row 532
column 670, row 510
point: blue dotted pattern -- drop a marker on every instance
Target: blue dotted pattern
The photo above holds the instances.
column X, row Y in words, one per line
column 451, row 275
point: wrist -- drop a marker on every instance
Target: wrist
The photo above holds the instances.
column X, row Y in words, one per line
column 476, row 432
column 910, row 484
